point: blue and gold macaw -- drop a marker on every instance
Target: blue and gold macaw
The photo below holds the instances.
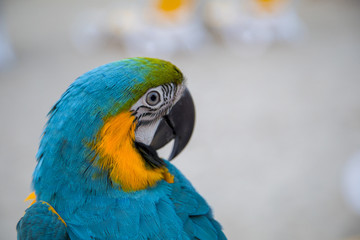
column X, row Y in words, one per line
column 98, row 174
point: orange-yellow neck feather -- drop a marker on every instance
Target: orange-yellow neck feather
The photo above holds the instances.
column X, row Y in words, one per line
column 118, row 155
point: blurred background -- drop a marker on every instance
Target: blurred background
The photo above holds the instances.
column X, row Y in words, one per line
column 276, row 84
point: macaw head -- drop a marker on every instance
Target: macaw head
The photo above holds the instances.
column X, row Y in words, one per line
column 110, row 122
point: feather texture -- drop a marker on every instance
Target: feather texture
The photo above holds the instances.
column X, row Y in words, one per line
column 168, row 211
column 71, row 178
column 41, row 223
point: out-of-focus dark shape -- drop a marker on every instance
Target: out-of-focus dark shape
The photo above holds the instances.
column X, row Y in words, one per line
column 253, row 22
column 157, row 27
column 351, row 183
column 6, row 52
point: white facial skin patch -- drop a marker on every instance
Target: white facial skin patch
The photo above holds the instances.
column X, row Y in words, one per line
column 151, row 107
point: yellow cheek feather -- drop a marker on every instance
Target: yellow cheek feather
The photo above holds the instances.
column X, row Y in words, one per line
column 117, row 154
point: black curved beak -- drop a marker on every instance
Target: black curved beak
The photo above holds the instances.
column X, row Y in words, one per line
column 178, row 125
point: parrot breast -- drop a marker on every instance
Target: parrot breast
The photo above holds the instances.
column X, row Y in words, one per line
column 117, row 154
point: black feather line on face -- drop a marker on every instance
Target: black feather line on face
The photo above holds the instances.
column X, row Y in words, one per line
column 146, row 107
column 166, row 90
column 150, row 156
column 163, row 89
column 167, row 93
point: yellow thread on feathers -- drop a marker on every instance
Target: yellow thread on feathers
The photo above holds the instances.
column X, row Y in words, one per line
column 118, row 155
column 53, row 210
column 32, row 196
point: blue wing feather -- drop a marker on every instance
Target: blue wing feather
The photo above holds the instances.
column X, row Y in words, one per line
column 40, row 223
column 167, row 211
column 195, row 213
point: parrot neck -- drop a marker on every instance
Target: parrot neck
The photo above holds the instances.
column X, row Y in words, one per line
column 118, row 155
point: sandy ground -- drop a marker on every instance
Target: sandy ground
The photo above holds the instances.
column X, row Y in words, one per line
column 273, row 131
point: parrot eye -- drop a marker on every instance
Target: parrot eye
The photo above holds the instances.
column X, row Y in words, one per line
column 153, row 98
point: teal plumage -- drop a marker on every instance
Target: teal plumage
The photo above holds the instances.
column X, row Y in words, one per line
column 91, row 204
column 40, row 223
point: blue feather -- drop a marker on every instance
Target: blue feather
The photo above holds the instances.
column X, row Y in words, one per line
column 92, row 206
column 40, row 223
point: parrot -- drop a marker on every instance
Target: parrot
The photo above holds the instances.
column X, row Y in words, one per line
column 98, row 173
